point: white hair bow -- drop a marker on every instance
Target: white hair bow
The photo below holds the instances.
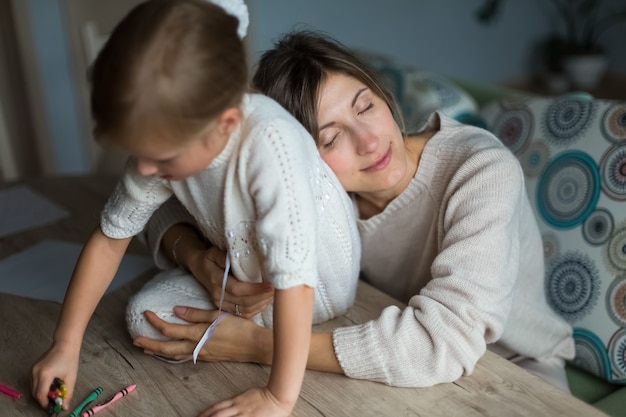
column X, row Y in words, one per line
column 238, row 9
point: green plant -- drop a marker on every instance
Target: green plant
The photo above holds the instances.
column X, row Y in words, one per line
column 584, row 21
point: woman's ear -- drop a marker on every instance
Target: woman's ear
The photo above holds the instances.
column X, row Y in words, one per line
column 228, row 120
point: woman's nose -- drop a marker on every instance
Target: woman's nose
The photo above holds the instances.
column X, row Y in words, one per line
column 366, row 141
column 146, row 168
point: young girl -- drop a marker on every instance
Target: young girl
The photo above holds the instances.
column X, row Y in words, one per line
column 169, row 88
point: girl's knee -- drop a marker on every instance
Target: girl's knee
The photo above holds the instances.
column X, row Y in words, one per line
column 165, row 291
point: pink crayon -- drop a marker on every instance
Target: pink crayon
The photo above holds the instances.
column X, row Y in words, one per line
column 11, row 392
column 93, row 410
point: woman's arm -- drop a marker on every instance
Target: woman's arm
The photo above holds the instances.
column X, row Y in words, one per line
column 234, row 340
column 174, row 239
column 445, row 329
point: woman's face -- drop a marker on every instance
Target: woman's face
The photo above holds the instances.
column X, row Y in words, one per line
column 359, row 138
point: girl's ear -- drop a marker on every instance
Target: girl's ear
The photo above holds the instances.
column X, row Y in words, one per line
column 228, row 120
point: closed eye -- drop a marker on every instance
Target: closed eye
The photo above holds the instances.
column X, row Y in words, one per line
column 331, row 143
column 369, row 106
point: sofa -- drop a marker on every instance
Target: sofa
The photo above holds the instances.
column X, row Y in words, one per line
column 572, row 149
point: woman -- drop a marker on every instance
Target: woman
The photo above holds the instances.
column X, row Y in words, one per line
column 445, row 225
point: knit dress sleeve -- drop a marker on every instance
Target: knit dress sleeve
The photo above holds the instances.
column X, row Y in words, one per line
column 445, row 328
column 132, row 203
column 278, row 164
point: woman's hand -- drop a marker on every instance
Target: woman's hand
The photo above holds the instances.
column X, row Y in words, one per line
column 235, row 339
column 185, row 247
column 249, row 298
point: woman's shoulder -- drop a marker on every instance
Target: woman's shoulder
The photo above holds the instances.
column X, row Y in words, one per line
column 457, row 150
column 456, row 138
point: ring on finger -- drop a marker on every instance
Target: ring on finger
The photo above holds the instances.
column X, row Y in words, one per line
column 237, row 312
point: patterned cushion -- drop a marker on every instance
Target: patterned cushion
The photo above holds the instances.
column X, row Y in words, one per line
column 420, row 92
column 573, row 151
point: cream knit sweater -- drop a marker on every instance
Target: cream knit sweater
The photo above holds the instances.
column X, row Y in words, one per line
column 461, row 246
column 269, row 200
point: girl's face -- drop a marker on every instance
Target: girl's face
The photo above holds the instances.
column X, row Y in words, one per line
column 359, row 138
column 176, row 161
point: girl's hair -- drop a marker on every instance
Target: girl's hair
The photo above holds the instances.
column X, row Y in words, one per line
column 168, row 69
column 293, row 71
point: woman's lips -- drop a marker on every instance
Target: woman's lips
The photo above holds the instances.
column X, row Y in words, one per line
column 381, row 163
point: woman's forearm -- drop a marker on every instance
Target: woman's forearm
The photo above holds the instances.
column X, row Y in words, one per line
column 182, row 245
column 235, row 340
column 321, row 353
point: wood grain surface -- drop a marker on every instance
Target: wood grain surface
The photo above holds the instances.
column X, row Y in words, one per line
column 108, row 358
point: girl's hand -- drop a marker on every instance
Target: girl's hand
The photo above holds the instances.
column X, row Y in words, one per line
column 234, row 339
column 256, row 402
column 55, row 363
column 250, row 298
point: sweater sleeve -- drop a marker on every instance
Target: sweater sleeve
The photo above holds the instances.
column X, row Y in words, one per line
column 132, row 203
column 444, row 329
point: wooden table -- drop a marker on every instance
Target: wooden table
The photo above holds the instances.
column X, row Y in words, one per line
column 108, row 358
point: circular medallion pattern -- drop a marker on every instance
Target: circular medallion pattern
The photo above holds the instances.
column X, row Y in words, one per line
column 568, row 190
column 514, row 128
column 617, row 352
column 598, row 227
column 591, row 353
column 613, row 171
column 572, row 285
column 616, row 300
column 615, row 250
column 567, row 118
column 614, row 123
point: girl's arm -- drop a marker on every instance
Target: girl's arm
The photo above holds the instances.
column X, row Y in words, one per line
column 293, row 312
column 293, row 317
column 94, row 271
